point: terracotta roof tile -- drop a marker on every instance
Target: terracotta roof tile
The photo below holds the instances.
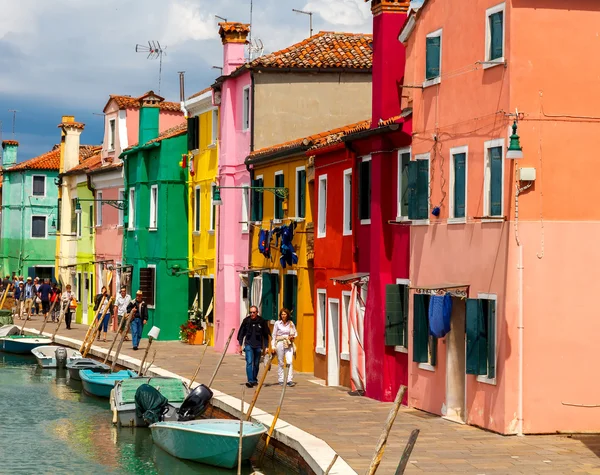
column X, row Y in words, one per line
column 88, row 164
column 75, row 125
column 9, row 142
column 199, row 93
column 51, row 160
column 170, row 133
column 128, row 102
column 106, row 168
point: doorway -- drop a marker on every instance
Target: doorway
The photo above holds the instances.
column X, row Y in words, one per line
column 456, row 364
column 333, row 342
column 86, row 297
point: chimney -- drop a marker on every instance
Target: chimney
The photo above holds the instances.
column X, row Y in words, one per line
column 389, row 58
column 9, row 153
column 149, row 115
column 71, row 132
column 233, row 35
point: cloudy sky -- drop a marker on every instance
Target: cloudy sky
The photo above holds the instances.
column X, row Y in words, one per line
column 64, row 57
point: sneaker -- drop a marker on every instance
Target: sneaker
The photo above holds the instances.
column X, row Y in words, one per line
column 135, row 348
column 249, row 385
column 255, row 384
column 291, row 384
column 280, row 383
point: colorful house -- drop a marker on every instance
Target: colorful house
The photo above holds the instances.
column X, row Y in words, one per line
column 156, row 237
column 511, row 239
column 203, row 145
column 272, row 99
column 29, row 212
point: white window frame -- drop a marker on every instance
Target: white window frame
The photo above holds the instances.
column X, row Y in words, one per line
column 489, row 63
column 122, row 196
column 131, row 209
column 345, row 347
column 214, row 127
column 45, row 226
column 32, row 180
column 155, row 296
column 98, row 204
column 245, row 208
column 366, row 158
column 425, row 222
column 322, row 209
column 321, row 319
column 455, row 151
column 402, row 348
column 275, row 175
column 211, row 228
column 437, row 80
column 112, row 134
column 297, row 202
column 197, row 210
column 246, row 109
column 153, row 224
column 483, row 378
column 487, row 175
column 347, row 203
column 401, row 151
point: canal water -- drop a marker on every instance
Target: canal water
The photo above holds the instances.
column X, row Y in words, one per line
column 48, row 425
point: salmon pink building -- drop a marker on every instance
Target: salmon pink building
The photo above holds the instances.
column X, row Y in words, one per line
column 507, row 233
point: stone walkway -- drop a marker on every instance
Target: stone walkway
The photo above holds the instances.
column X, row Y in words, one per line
column 351, row 425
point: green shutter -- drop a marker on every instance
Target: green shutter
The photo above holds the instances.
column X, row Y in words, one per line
column 279, row 183
column 256, row 213
column 403, row 198
column 491, row 338
column 420, row 329
column 405, row 314
column 394, row 315
column 301, row 193
column 477, row 338
column 260, row 200
column 432, row 60
column 413, row 168
column 423, row 189
column 460, row 185
column 495, row 181
column 276, row 291
column 433, row 342
column 267, row 296
column 290, row 294
column 190, row 133
column 91, row 216
column 496, row 35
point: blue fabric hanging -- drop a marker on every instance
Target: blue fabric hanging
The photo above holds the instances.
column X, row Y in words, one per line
column 440, row 309
column 288, row 253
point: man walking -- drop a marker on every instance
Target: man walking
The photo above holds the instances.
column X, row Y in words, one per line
column 253, row 336
column 29, row 294
column 139, row 319
column 44, row 292
column 120, row 309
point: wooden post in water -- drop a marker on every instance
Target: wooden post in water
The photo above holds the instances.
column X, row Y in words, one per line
column 97, row 328
column 129, row 319
column 241, row 440
column 277, row 412
column 61, row 317
column 331, row 465
column 259, row 387
column 117, row 335
column 48, row 314
column 198, row 368
column 152, row 334
column 91, row 327
column 221, row 360
column 407, row 451
column 10, row 286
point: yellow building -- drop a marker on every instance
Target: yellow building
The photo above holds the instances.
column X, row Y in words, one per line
column 283, row 166
column 203, row 128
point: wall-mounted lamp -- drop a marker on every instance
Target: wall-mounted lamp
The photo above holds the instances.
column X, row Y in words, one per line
column 514, row 150
column 77, row 207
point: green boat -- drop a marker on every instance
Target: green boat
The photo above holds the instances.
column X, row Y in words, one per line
column 208, row 441
column 101, row 384
column 22, row 344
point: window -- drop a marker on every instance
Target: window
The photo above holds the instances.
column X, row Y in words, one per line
column 364, row 191
column 38, row 226
column 58, row 215
column 154, row 207
column 270, row 296
column 78, row 218
column 246, row 108
column 257, row 199
column 73, row 216
column 193, row 136
column 148, row 284
column 121, row 212
column 197, row 204
column 39, row 185
column 207, row 298
column 112, row 123
column 494, row 178
column 494, row 35
column 458, row 184
column 345, row 328
column 481, row 337
column 279, row 183
column 322, row 225
column 290, row 295
column 424, row 344
column 245, row 208
column 215, row 126
column 402, row 192
column 131, row 213
column 91, row 218
column 300, row 192
column 348, row 202
column 433, row 58
column 396, row 315
column 98, row 208
column 213, row 209
column 321, row 322
column 418, row 188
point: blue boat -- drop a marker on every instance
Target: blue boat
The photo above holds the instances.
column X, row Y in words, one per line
column 101, row 384
column 22, row 344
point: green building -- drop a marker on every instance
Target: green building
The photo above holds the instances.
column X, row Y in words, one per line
column 155, row 244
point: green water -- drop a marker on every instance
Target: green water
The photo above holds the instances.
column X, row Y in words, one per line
column 49, row 426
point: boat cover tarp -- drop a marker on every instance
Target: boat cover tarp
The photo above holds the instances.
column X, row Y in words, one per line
column 150, row 405
column 6, row 317
column 171, row 388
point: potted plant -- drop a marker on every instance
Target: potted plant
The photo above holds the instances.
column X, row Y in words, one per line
column 192, row 331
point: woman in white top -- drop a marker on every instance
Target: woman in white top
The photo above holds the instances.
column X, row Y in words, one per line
column 284, row 333
column 66, row 299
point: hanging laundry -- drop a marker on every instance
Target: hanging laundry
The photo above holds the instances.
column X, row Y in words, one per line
column 288, row 254
column 264, row 243
column 440, row 309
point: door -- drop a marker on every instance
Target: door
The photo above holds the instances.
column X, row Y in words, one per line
column 333, row 343
column 85, row 297
column 456, row 364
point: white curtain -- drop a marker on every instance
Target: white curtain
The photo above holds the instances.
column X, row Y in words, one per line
column 257, row 292
column 357, row 348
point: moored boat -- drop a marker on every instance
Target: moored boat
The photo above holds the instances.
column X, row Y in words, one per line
column 47, row 357
column 7, row 330
column 22, row 344
column 86, row 363
column 101, row 384
column 208, row 441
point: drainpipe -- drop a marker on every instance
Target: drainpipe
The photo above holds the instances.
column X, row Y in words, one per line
column 520, row 331
column 252, row 111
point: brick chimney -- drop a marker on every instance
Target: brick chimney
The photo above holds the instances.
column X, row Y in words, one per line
column 71, row 133
column 9, row 153
column 389, row 57
column 149, row 117
column 233, row 35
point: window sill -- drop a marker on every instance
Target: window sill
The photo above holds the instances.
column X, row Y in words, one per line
column 401, row 349
column 402, row 219
column 320, row 350
column 420, row 222
column 119, row 226
column 111, row 150
column 152, row 229
column 426, row 367
column 212, row 146
column 195, row 233
column 245, row 231
column 321, row 235
column 494, row 219
column 211, row 232
column 431, row 82
column 365, row 221
column 277, row 221
column 38, row 237
column 491, row 63
column 347, row 232
column 345, row 356
column 130, row 229
column 486, row 380
column 457, row 220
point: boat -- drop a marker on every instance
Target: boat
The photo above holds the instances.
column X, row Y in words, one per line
column 122, row 399
column 7, row 330
column 48, row 357
column 22, row 344
column 86, row 363
column 208, row 441
column 101, row 384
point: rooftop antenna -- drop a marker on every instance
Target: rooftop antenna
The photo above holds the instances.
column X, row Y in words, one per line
column 221, row 18
column 218, row 67
column 154, row 50
column 310, row 14
column 256, row 47
column 14, row 113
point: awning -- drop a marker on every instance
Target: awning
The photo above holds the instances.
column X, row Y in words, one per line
column 346, row 279
column 458, row 290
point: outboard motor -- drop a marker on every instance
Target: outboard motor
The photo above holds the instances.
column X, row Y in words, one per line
column 61, row 357
column 195, row 404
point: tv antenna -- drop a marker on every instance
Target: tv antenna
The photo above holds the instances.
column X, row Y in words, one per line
column 155, row 51
column 256, row 47
column 14, row 120
column 310, row 14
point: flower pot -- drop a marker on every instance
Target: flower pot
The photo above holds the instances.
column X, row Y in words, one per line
column 197, row 338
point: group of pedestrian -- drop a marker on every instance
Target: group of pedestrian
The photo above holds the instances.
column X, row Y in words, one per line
column 33, row 297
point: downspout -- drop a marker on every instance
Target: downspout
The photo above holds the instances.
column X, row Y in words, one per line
column 252, row 111
column 21, row 245
column 351, row 154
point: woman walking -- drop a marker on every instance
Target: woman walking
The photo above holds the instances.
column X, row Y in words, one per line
column 67, row 302
column 284, row 334
column 104, row 313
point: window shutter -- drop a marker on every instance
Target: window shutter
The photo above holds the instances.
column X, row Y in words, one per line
column 290, row 295
column 459, row 184
column 496, row 181
column 268, row 293
column 423, row 189
column 476, row 338
column 250, row 280
column 432, row 60
column 394, row 315
column 260, row 199
column 405, row 294
column 31, row 272
column 276, row 291
column 196, row 132
column 412, row 189
column 496, row 35
column 207, row 296
column 491, row 339
column 279, row 183
column 420, row 329
column 147, row 284
column 190, row 133
column 301, row 194
column 433, row 341
column 58, row 215
column 364, row 193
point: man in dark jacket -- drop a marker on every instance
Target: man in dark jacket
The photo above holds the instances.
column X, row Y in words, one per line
column 253, row 336
column 139, row 319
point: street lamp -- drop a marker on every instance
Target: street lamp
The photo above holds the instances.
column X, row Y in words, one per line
column 217, row 196
column 77, row 207
column 514, row 150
